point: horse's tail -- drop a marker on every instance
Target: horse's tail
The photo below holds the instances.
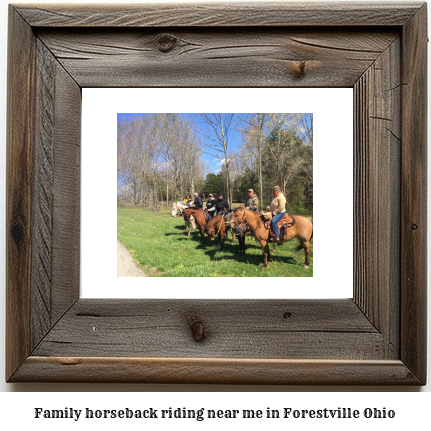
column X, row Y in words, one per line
column 311, row 237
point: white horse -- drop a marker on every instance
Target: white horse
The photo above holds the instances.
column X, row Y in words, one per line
column 177, row 211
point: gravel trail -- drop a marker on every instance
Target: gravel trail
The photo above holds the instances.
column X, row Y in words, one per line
column 126, row 267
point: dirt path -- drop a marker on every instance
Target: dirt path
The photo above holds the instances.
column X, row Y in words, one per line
column 126, row 267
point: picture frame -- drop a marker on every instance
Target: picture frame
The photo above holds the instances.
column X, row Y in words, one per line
column 376, row 338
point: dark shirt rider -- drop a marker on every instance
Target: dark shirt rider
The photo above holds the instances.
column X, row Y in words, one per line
column 198, row 202
column 222, row 204
column 211, row 206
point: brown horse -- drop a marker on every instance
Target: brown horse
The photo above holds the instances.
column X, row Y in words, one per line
column 217, row 226
column 302, row 229
column 200, row 220
column 237, row 229
column 177, row 210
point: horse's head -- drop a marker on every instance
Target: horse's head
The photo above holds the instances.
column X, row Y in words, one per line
column 209, row 229
column 228, row 219
column 238, row 215
column 213, row 227
column 174, row 210
column 187, row 213
column 228, row 216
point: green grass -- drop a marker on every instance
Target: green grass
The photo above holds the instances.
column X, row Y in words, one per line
column 159, row 243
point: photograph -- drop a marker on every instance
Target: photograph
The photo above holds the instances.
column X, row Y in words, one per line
column 215, row 194
column 161, row 146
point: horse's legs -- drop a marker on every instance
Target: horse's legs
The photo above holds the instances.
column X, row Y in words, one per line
column 307, row 250
column 188, row 228
column 269, row 253
column 193, row 224
column 265, row 252
column 221, row 239
column 241, row 240
column 233, row 237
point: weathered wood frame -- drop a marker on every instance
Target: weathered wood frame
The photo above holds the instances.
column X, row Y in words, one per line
column 378, row 337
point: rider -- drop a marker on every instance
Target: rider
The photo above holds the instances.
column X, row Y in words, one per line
column 278, row 209
column 211, row 206
column 252, row 202
column 187, row 200
column 222, row 204
column 198, row 201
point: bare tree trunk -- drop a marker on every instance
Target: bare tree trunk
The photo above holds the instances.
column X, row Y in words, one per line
column 228, row 184
column 167, row 189
column 220, row 125
column 260, row 176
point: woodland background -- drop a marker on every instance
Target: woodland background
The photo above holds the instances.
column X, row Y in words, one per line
column 163, row 157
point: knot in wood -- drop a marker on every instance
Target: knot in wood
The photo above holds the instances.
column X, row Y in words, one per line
column 197, row 327
column 167, row 42
column 18, row 233
column 300, row 69
column 414, row 226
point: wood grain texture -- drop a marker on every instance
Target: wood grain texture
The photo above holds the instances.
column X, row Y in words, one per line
column 55, row 278
column 215, row 371
column 414, row 194
column 213, row 14
column 228, row 58
column 43, row 178
column 66, row 190
column 19, row 199
column 378, row 337
column 43, row 194
column 234, row 329
column 377, row 194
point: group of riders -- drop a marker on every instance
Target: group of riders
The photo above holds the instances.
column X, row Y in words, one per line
column 277, row 206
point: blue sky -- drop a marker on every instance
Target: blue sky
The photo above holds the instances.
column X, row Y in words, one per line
column 213, row 164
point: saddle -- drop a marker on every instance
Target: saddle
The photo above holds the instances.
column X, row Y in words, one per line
column 286, row 222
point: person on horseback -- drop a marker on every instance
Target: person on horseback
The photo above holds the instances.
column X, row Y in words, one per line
column 252, row 202
column 187, row 200
column 278, row 210
column 211, row 206
column 198, row 202
column 222, row 205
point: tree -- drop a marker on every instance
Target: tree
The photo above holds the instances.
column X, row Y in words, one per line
column 156, row 155
column 217, row 138
column 192, row 151
column 255, row 125
column 305, row 132
column 213, row 184
column 277, row 149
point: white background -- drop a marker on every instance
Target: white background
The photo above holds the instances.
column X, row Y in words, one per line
column 333, row 189
column 16, row 408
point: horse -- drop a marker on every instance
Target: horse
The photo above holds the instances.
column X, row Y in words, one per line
column 177, row 210
column 199, row 217
column 302, row 229
column 239, row 230
column 217, row 226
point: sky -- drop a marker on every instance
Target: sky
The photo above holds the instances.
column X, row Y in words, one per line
column 213, row 165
